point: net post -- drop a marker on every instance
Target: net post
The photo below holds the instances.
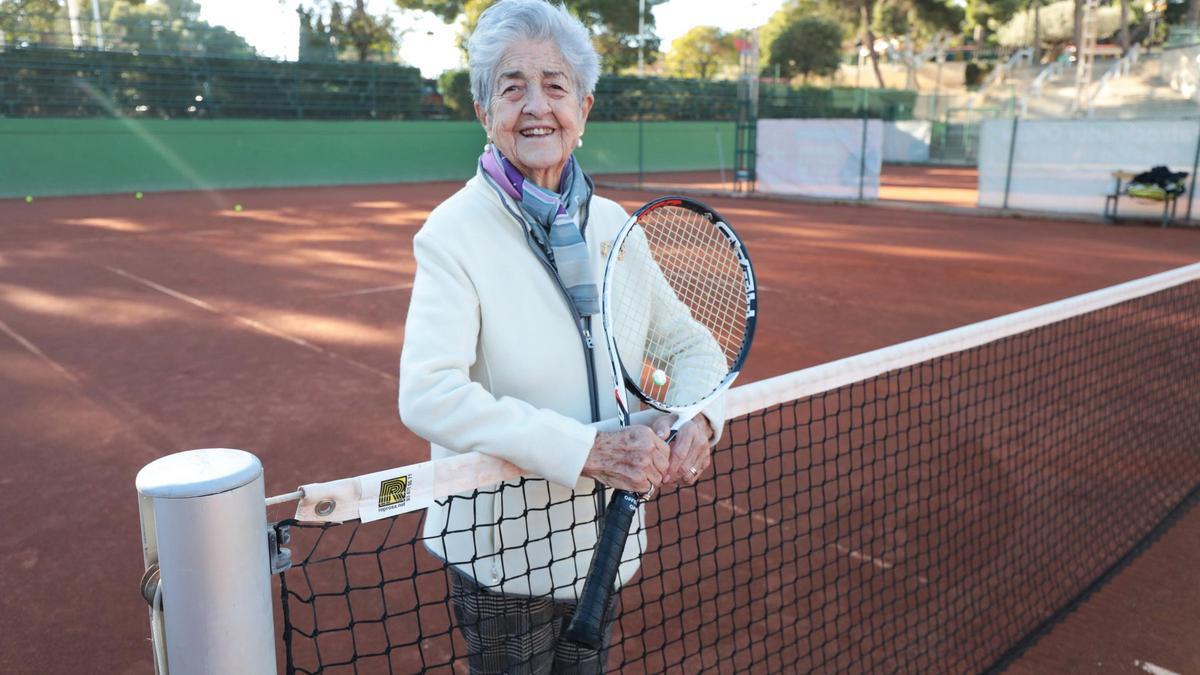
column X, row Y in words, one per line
column 204, row 528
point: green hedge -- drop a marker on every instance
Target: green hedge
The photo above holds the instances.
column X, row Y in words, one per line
column 38, row 82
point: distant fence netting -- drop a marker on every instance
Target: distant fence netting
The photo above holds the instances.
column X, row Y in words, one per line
column 40, row 82
column 928, row 518
column 51, row 82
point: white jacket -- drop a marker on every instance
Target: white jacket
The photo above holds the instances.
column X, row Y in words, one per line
column 493, row 362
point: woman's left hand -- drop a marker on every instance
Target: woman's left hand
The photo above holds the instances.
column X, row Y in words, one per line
column 690, row 451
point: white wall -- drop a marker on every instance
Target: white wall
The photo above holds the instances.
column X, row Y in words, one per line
column 907, row 141
column 819, row 158
column 1067, row 165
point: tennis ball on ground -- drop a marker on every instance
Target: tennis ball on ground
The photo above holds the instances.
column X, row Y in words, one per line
column 659, row 377
column 28, row 199
column 137, row 195
column 237, row 207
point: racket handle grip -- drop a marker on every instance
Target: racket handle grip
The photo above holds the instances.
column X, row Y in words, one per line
column 587, row 625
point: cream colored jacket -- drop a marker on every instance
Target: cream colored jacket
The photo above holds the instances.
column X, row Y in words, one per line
column 493, row 362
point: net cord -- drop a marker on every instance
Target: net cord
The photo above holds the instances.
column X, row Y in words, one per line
column 473, row 470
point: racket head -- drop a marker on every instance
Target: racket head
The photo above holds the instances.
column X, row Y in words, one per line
column 678, row 303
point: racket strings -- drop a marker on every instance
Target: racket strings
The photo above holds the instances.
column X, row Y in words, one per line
column 704, row 271
column 680, row 309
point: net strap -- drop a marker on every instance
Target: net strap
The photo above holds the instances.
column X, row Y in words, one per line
column 344, row 500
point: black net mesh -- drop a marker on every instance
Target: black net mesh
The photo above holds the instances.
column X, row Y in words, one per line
column 929, row 519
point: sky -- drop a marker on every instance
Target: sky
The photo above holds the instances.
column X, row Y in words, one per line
column 272, row 26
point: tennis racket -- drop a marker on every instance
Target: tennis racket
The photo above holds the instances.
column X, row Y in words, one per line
column 678, row 305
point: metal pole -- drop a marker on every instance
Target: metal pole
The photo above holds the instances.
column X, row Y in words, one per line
column 641, row 146
column 720, row 154
column 1012, row 146
column 96, row 19
column 1192, row 191
column 73, row 24
column 937, row 86
column 862, row 151
column 204, row 525
column 641, row 37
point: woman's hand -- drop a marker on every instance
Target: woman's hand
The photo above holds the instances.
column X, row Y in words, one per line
column 690, row 451
column 634, row 459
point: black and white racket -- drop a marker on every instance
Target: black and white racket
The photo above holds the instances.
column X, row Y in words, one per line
column 678, row 305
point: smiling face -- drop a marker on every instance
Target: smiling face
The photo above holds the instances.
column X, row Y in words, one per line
column 535, row 116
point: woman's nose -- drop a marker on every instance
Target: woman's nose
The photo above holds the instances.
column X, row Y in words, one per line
column 537, row 104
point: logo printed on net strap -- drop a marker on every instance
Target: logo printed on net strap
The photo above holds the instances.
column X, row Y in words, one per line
column 395, row 492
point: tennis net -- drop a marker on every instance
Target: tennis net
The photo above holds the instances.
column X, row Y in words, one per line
column 927, row 507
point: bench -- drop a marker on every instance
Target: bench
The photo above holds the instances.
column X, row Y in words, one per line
column 1111, row 200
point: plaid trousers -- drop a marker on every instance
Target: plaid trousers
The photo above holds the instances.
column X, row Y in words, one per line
column 516, row 635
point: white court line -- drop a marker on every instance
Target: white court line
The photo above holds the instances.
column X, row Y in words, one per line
column 1151, row 668
column 878, row 562
column 366, row 291
column 97, row 396
column 33, row 349
column 728, row 505
column 256, row 325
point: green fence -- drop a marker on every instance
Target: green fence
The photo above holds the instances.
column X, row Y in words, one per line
column 89, row 122
column 67, row 157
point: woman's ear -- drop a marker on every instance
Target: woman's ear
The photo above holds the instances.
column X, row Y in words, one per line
column 586, row 107
column 481, row 115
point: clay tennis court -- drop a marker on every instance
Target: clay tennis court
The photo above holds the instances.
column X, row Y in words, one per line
column 133, row 329
column 955, row 186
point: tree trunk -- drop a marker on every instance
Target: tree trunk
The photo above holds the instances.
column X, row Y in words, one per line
column 1077, row 34
column 1037, row 32
column 1124, row 26
column 874, row 58
column 865, row 14
column 1193, row 13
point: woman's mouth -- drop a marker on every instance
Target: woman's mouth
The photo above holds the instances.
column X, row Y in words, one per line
column 536, row 132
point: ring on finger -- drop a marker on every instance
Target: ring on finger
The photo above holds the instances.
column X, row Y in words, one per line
column 693, row 471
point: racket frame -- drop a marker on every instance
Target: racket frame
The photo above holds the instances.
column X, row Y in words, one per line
column 622, row 380
column 587, row 623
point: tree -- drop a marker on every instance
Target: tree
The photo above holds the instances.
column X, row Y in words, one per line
column 809, row 46
column 853, row 17
column 792, row 11
column 363, row 33
column 1124, row 31
column 316, row 42
column 36, row 21
column 170, row 26
column 988, row 15
column 613, row 23
column 351, row 32
column 700, row 52
column 455, row 88
column 1056, row 24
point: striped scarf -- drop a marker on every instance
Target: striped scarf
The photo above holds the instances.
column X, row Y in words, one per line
column 555, row 216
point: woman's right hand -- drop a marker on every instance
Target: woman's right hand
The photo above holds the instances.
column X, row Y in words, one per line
column 634, row 459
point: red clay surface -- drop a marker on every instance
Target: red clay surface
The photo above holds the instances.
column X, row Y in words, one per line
column 135, row 329
column 942, row 185
column 948, row 185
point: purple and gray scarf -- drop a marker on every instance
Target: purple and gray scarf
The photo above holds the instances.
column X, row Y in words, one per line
column 553, row 217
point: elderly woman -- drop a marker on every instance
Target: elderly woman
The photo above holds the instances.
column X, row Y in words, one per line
column 499, row 353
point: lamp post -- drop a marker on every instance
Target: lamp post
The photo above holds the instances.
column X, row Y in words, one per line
column 641, row 37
